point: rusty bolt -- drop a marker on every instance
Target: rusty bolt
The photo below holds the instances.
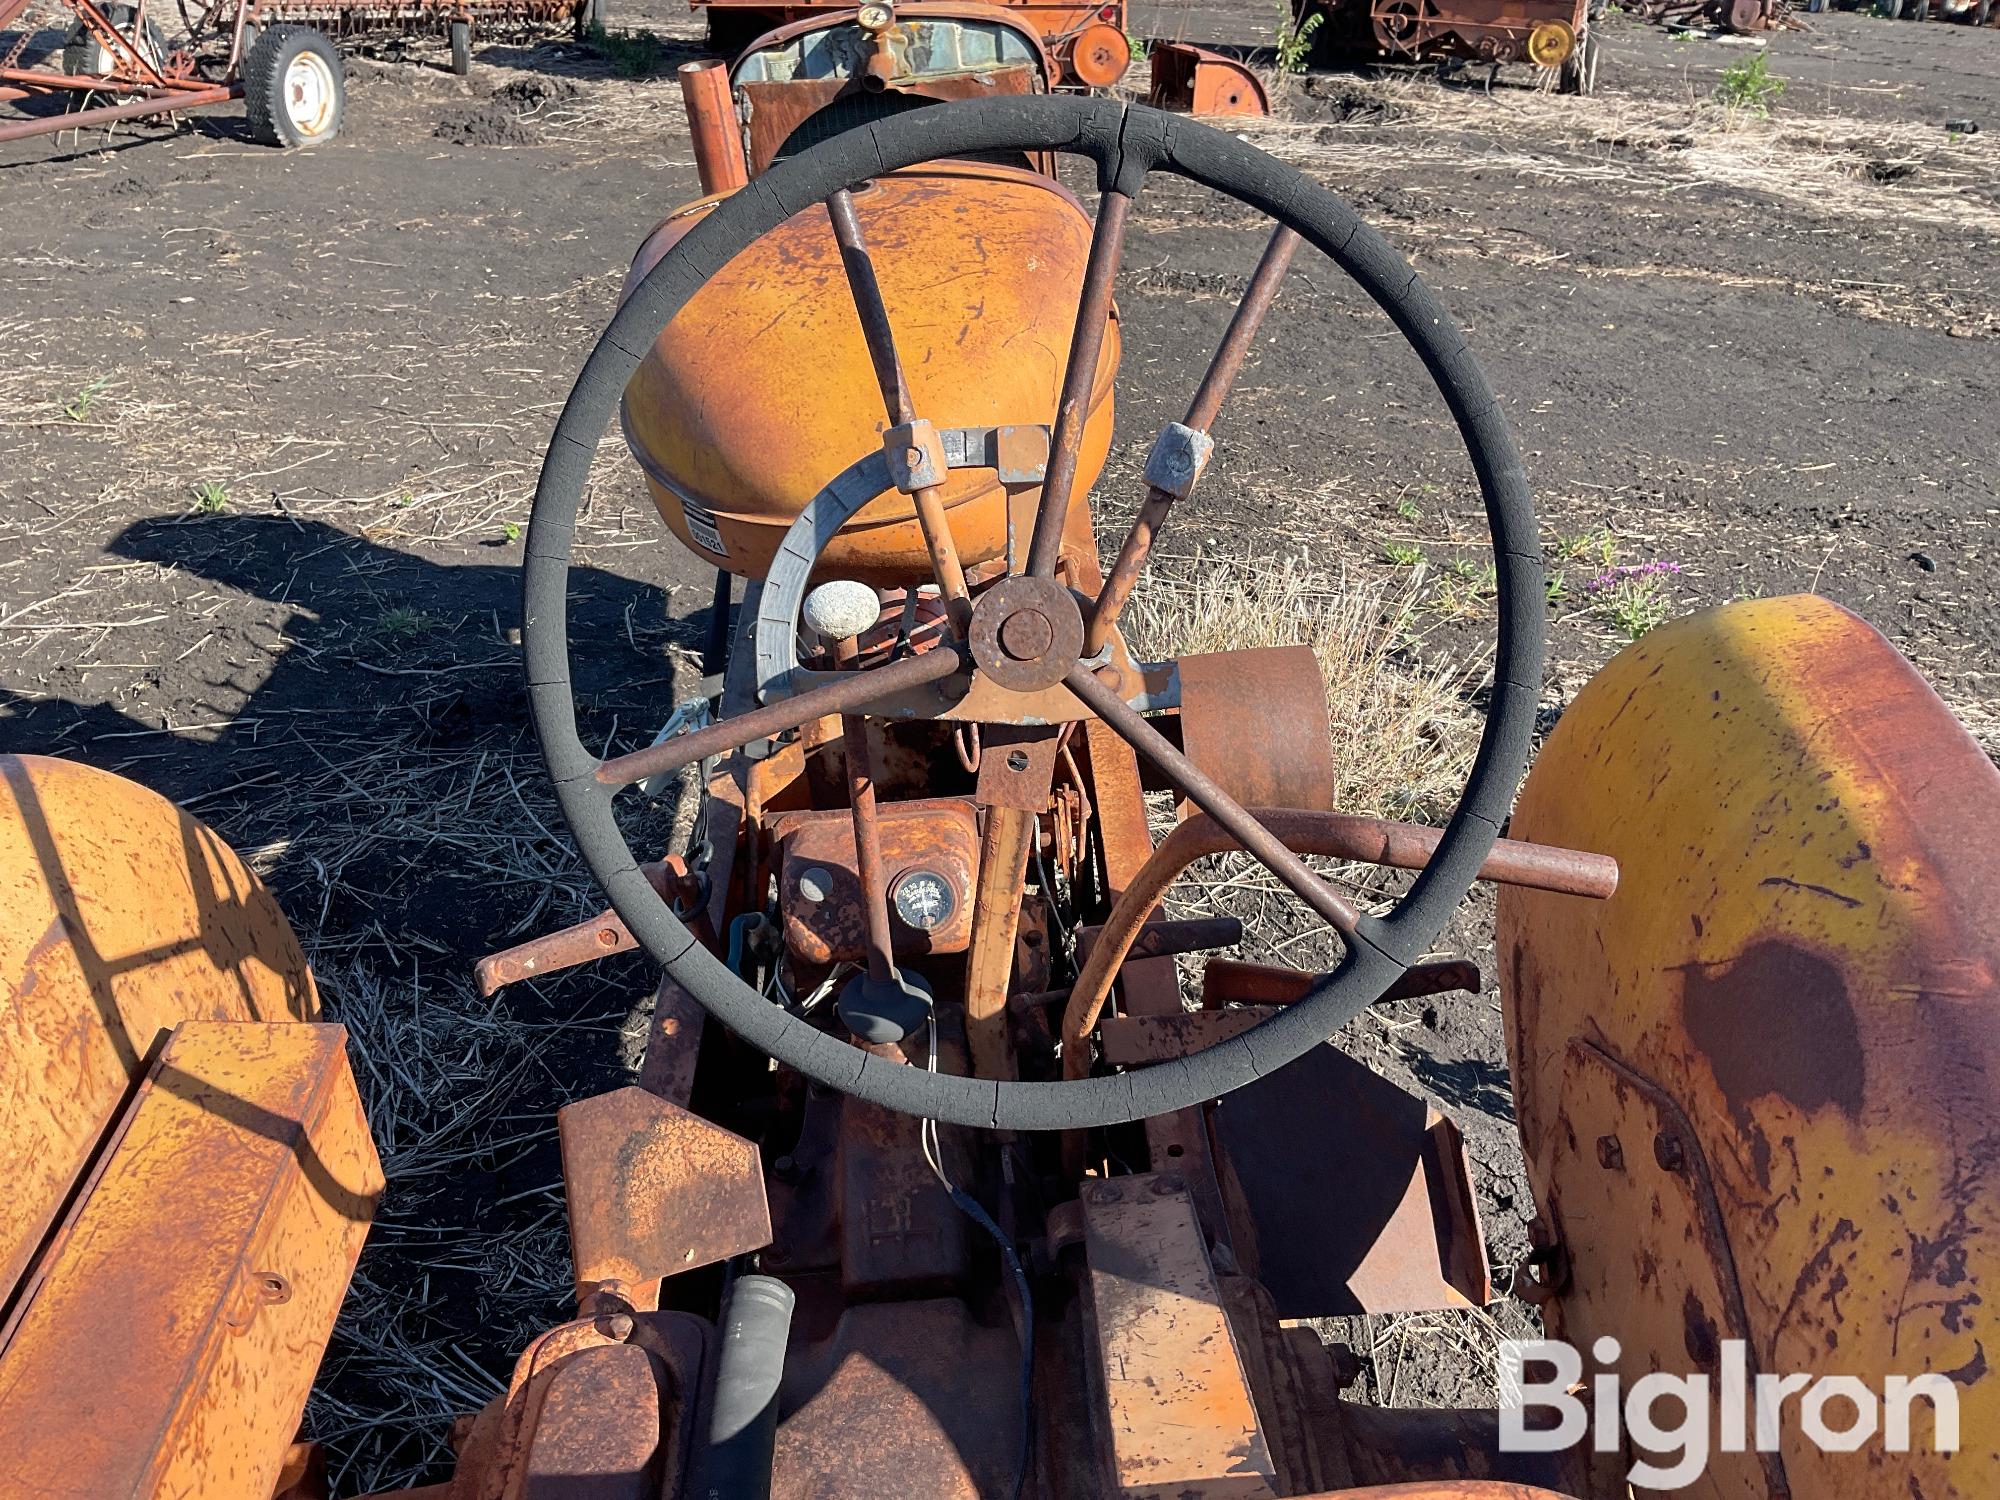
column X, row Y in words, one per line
column 1610, row 1154
column 914, row 457
column 1166, row 1184
column 1027, row 635
column 1667, row 1151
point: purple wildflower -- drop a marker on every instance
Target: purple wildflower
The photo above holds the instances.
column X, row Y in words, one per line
column 1626, row 573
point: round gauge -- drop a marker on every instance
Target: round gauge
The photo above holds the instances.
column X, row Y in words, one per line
column 874, row 17
column 924, row 900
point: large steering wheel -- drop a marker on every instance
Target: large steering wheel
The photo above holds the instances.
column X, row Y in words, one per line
column 1003, row 651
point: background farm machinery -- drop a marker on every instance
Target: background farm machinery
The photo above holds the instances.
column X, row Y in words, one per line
column 277, row 56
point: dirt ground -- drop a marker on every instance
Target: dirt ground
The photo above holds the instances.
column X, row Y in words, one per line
column 273, row 421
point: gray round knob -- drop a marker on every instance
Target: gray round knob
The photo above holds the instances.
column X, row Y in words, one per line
column 841, row 609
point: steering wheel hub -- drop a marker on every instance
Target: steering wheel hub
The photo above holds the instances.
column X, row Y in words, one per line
column 1027, row 632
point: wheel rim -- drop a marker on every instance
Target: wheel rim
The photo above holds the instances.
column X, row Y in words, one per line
column 309, row 93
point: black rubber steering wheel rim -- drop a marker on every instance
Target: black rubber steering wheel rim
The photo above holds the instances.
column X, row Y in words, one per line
column 1127, row 142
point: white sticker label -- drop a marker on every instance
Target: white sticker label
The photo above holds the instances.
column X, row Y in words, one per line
column 701, row 527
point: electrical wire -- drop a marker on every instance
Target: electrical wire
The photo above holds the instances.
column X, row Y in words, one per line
column 975, row 1211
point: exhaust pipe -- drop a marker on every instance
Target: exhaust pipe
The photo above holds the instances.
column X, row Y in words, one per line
column 718, row 149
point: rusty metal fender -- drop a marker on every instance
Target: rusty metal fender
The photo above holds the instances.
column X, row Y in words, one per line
column 120, row 918
column 1774, row 1046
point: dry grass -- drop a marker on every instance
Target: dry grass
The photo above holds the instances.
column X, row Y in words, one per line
column 1827, row 164
column 1403, row 730
column 1403, row 727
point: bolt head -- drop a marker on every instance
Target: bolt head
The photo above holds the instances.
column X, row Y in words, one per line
column 1667, row 1151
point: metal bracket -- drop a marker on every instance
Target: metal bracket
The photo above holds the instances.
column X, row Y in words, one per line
column 915, row 455
column 1179, row 456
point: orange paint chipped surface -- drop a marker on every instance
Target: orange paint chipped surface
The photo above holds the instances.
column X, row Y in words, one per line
column 167, row 1346
column 1177, row 1401
column 120, row 916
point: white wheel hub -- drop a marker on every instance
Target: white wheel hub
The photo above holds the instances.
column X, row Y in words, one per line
column 309, row 94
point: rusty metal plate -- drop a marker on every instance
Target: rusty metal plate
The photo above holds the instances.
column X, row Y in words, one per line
column 900, row 1233
column 600, row 1433
column 1021, row 454
column 1017, row 765
column 1387, row 1224
column 1229, row 981
column 936, row 835
column 654, row 1190
column 1177, row 1407
column 1257, row 722
column 901, row 1401
column 1141, row 1041
column 168, row 1342
column 601, row 1408
column 673, row 1043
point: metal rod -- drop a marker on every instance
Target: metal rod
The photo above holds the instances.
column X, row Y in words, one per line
column 1202, row 411
column 718, row 149
column 1086, row 342
column 881, row 340
column 1004, row 845
column 848, row 693
column 871, row 306
column 868, row 844
column 1207, row 794
column 135, row 109
column 1405, row 846
column 1229, row 981
column 1164, row 939
column 579, row 943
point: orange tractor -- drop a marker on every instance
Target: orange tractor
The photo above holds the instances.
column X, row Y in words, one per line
column 934, row 1180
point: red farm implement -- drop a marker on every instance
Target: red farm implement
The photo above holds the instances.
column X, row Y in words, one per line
column 115, row 62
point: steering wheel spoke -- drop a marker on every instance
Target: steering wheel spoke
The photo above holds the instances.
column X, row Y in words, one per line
column 849, row 692
column 1086, row 344
column 1206, row 793
column 1203, row 409
column 873, row 309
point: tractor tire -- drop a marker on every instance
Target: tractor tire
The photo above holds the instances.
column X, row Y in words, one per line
column 294, row 87
column 84, row 55
column 461, row 47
